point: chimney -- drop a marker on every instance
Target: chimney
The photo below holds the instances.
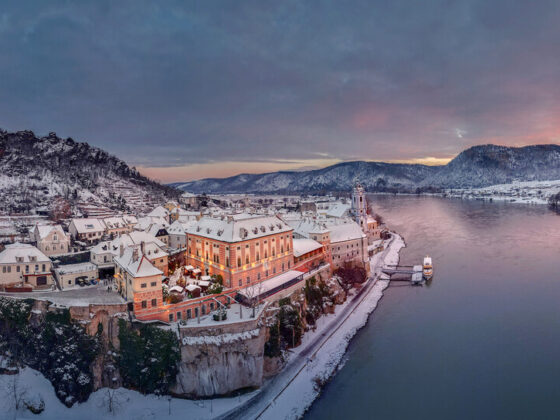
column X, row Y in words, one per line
column 135, row 254
column 143, row 247
column 121, row 250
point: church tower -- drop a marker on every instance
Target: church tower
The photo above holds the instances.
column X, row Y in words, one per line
column 359, row 205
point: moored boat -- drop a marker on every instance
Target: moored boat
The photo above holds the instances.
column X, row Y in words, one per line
column 427, row 269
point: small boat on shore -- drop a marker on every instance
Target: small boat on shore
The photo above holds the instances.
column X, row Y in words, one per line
column 427, row 268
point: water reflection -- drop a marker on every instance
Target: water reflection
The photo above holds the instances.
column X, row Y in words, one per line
column 482, row 341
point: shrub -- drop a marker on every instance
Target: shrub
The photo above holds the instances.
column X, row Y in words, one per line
column 148, row 358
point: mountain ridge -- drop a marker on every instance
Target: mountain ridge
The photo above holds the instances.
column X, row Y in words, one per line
column 477, row 166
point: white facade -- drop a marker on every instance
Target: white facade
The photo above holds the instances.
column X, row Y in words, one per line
column 51, row 239
column 359, row 206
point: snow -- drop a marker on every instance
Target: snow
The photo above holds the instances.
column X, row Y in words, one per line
column 227, row 338
column 27, row 253
column 304, row 245
column 130, row 405
column 529, row 192
column 237, row 229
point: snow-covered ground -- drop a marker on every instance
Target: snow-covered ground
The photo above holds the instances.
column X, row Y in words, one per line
column 530, row 192
column 285, row 396
column 129, row 405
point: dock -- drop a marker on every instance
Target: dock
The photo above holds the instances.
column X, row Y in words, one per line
column 414, row 274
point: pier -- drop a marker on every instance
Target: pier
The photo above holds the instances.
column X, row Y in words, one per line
column 414, row 274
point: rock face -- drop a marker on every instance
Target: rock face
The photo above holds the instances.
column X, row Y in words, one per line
column 218, row 361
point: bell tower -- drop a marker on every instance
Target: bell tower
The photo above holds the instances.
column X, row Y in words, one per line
column 359, row 205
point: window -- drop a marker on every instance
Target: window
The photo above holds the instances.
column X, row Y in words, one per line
column 196, row 312
column 189, row 314
column 227, row 261
column 211, row 306
column 258, row 276
column 154, row 302
column 247, row 259
column 203, row 309
column 3, row 269
column 288, row 264
column 248, row 280
column 36, row 267
column 18, row 268
column 178, row 316
column 170, row 317
column 239, row 261
column 143, row 285
column 240, row 282
column 153, row 284
column 44, row 268
column 273, row 270
column 144, row 304
column 258, row 256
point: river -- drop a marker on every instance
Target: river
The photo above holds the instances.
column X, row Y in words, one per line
column 481, row 341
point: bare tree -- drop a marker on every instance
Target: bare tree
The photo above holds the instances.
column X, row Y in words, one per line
column 16, row 392
column 113, row 399
column 253, row 294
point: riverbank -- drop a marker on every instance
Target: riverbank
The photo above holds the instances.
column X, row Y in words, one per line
column 321, row 354
column 287, row 395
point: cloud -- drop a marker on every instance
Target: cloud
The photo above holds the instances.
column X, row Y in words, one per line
column 185, row 83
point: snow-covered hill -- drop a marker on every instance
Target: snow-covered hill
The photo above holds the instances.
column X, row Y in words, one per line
column 479, row 166
column 34, row 171
column 376, row 176
column 482, row 166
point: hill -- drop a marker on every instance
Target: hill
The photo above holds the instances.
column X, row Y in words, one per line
column 479, row 166
column 36, row 172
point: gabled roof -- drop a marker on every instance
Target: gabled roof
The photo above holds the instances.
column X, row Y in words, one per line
column 88, row 225
column 159, row 211
column 139, row 267
column 345, row 231
column 22, row 252
column 42, row 231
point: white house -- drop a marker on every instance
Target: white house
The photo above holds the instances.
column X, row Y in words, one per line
column 86, row 230
column 51, row 239
column 24, row 264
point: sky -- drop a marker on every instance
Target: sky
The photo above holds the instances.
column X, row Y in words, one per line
column 190, row 89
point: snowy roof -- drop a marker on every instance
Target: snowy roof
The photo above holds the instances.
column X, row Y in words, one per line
column 88, row 225
column 346, row 231
column 192, row 287
column 44, row 230
column 179, row 228
column 144, row 223
column 338, row 210
column 130, row 219
column 76, row 268
column 155, row 228
column 238, row 228
column 307, row 226
column 114, row 222
column 177, row 289
column 141, row 267
column 152, row 245
column 22, row 253
column 159, row 211
column 264, row 286
column 304, row 245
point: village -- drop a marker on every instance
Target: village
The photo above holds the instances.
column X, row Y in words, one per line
column 219, row 271
column 184, row 261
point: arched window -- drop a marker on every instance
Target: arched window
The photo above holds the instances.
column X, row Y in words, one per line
column 247, row 259
column 273, row 252
column 258, row 256
column 282, row 248
column 239, row 261
column 265, row 254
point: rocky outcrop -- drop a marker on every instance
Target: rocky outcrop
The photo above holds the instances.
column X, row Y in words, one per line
column 220, row 360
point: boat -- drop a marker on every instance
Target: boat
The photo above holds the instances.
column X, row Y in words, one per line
column 427, row 269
